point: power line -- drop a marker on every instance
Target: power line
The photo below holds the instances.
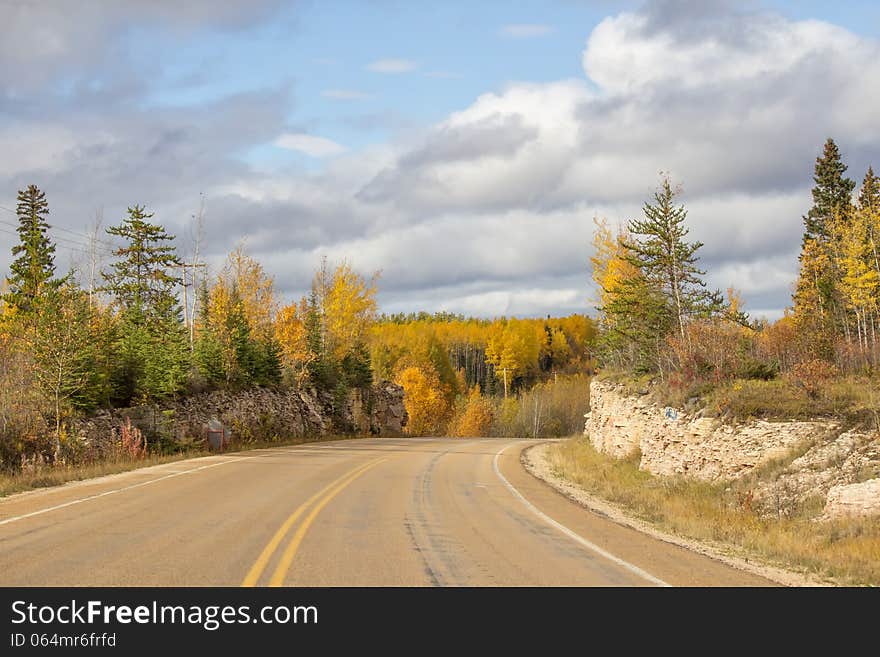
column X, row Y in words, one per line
column 67, row 230
column 104, row 250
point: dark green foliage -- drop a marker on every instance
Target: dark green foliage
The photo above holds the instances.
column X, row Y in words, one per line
column 208, row 350
column 832, row 197
column 227, row 353
column 752, row 368
column 152, row 346
column 640, row 319
column 143, row 276
column 832, row 193
column 32, row 269
column 668, row 262
column 869, row 194
column 356, row 367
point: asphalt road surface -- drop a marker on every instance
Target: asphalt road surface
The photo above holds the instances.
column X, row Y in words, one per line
column 383, row 512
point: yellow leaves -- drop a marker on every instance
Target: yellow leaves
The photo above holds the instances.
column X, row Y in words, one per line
column 610, row 267
column 475, row 418
column 860, row 279
column 514, row 346
column 424, row 400
column 349, row 309
column 255, row 288
column 290, row 333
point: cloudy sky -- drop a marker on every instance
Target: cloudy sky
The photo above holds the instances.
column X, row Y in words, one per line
column 463, row 148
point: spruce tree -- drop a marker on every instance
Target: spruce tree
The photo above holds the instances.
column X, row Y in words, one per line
column 34, row 264
column 152, row 344
column 208, row 350
column 668, row 262
column 830, row 213
column 143, row 277
column 869, row 194
column 832, row 193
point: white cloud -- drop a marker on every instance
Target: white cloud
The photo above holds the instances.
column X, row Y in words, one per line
column 309, row 144
column 526, row 30
column 489, row 211
column 392, row 66
column 345, row 94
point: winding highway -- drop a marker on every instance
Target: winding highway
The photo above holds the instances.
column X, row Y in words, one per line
column 367, row 512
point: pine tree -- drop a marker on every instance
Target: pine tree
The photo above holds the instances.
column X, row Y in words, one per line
column 34, row 264
column 208, row 352
column 869, row 209
column 659, row 250
column 826, row 220
column 869, row 194
column 152, row 343
column 142, row 279
column 832, row 193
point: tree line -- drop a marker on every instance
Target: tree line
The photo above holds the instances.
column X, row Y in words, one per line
column 144, row 328
column 453, row 367
column 68, row 349
column 657, row 315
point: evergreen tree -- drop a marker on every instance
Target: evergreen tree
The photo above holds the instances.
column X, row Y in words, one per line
column 869, row 194
column 869, row 208
column 152, row 343
column 208, row 351
column 832, row 193
column 638, row 317
column 142, row 279
column 818, row 300
column 34, row 264
column 668, row 262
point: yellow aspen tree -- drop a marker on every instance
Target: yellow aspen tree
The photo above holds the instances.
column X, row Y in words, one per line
column 349, row 310
column 423, row 399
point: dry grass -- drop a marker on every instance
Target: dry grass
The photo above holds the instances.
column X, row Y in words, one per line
column 853, row 399
column 844, row 551
column 49, row 476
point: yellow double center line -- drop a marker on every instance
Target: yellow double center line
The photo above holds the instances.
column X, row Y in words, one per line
column 320, row 500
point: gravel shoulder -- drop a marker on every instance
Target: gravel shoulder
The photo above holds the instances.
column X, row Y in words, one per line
column 534, row 460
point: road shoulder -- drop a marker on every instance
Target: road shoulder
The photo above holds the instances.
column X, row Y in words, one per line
column 533, row 460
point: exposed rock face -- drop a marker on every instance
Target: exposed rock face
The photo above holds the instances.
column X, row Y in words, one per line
column 854, row 499
column 671, row 442
column 836, row 461
column 257, row 414
column 379, row 411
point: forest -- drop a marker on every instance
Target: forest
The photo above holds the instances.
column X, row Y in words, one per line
column 149, row 323
column 659, row 321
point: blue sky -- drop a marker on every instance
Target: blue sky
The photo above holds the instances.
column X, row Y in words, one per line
column 459, row 49
column 461, row 147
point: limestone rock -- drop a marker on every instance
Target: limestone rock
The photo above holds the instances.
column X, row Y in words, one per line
column 854, row 499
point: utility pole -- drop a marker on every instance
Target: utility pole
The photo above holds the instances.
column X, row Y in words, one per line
column 189, row 322
column 198, row 237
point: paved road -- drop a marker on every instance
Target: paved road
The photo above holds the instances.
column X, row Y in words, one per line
column 401, row 512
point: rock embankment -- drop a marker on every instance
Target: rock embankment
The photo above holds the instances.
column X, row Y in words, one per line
column 257, row 414
column 669, row 442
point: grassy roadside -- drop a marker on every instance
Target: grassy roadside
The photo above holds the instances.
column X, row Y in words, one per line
column 845, row 551
column 56, row 476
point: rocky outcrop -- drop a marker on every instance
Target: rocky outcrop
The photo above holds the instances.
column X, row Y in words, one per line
column 829, row 462
column 378, row 411
column 671, row 442
column 854, row 499
column 255, row 414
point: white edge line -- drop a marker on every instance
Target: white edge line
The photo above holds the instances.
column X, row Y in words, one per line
column 118, row 490
column 572, row 535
